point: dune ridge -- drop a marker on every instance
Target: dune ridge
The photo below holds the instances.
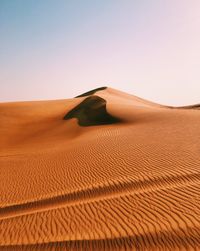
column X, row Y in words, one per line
column 87, row 182
column 91, row 92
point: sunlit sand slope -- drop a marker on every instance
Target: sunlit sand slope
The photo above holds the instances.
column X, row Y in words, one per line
column 103, row 171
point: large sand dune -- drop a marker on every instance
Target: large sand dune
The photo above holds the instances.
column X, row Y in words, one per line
column 103, row 171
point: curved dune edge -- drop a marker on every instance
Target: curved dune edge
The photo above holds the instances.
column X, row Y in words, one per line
column 115, row 186
column 92, row 111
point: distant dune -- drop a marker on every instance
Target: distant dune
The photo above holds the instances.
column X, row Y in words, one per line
column 103, row 171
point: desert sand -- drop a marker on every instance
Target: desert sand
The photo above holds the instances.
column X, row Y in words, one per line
column 102, row 171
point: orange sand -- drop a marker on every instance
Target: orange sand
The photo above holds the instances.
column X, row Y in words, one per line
column 132, row 185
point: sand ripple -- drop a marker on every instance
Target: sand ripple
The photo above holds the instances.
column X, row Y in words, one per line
column 132, row 185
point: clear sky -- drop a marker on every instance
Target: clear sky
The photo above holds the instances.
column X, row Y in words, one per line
column 54, row 49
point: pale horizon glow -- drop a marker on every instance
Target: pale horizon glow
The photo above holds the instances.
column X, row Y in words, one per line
column 57, row 49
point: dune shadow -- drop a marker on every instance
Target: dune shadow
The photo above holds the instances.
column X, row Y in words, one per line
column 92, row 111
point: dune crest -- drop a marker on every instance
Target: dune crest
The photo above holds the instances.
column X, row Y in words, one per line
column 105, row 171
column 91, row 92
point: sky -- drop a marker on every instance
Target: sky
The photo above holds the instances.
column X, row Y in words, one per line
column 57, row 49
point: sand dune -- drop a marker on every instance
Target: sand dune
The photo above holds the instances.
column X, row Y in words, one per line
column 103, row 171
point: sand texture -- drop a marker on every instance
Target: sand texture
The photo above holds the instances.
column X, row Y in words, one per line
column 102, row 171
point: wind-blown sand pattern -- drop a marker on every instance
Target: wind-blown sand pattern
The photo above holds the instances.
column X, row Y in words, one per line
column 119, row 173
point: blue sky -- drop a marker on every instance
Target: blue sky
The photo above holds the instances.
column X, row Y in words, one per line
column 52, row 49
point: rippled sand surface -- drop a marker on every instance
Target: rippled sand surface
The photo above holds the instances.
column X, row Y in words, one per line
column 113, row 172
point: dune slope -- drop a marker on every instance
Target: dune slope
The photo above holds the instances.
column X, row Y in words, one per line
column 103, row 171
